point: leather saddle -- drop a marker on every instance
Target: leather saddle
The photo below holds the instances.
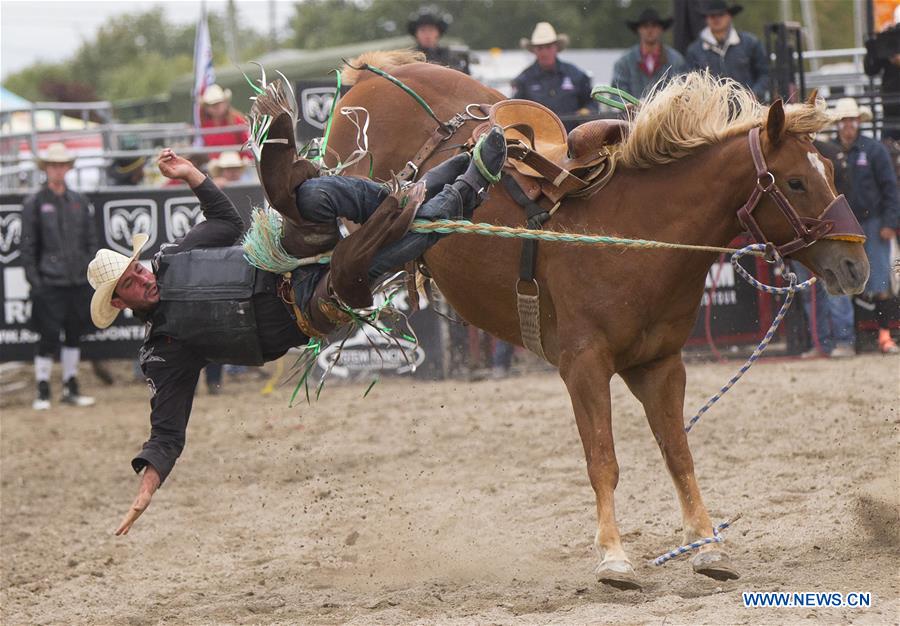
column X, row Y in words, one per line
column 546, row 158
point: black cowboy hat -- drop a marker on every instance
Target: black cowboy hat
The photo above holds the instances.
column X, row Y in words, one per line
column 717, row 7
column 649, row 16
column 429, row 15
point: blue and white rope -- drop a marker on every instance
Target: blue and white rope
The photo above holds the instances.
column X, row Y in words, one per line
column 789, row 291
column 716, row 538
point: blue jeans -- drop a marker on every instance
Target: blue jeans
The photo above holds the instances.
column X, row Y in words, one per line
column 833, row 314
column 330, row 197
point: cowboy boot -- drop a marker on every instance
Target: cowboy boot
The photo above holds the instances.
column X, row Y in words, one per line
column 488, row 158
column 281, row 171
column 460, row 198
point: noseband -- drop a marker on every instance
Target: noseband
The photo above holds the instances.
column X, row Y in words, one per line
column 836, row 221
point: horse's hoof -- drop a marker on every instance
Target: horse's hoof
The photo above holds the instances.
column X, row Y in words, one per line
column 618, row 574
column 715, row 564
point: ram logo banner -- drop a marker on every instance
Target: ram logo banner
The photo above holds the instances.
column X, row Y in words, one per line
column 315, row 105
column 10, row 231
column 180, row 215
column 123, row 219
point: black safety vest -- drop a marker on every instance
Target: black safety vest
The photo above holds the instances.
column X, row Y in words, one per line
column 206, row 302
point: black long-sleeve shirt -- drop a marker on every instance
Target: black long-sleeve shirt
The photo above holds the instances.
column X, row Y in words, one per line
column 59, row 238
column 172, row 369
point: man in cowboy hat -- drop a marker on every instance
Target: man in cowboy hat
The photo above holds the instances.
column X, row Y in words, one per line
column 865, row 175
column 228, row 169
column 203, row 302
column 427, row 26
column 559, row 86
column 726, row 52
column 650, row 61
column 58, row 239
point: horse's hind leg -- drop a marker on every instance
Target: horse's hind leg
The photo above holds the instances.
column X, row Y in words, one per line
column 660, row 388
column 587, row 379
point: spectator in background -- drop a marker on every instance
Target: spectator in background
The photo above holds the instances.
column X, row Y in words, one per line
column 559, row 86
column 427, row 26
column 126, row 171
column 228, row 169
column 831, row 321
column 650, row 60
column 217, row 111
column 726, row 52
column 59, row 239
column 865, row 174
column 883, row 57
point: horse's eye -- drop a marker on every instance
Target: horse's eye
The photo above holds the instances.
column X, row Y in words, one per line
column 796, row 184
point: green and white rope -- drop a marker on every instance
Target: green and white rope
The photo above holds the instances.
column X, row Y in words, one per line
column 514, row 232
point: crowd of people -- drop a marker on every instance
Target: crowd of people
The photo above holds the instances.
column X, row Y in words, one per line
column 59, row 237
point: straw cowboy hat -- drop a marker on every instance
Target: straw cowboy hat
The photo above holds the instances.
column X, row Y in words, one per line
column 214, row 94
column 56, row 153
column 848, row 107
column 544, row 34
column 226, row 160
column 103, row 272
column 717, row 7
column 649, row 16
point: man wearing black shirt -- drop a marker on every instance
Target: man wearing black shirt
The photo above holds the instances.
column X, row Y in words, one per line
column 203, row 302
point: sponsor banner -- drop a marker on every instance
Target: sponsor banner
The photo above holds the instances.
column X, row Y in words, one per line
column 163, row 214
column 738, row 312
column 314, row 99
column 167, row 215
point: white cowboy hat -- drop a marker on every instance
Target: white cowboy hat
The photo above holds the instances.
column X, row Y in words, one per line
column 226, row 160
column 215, row 94
column 56, row 153
column 103, row 273
column 848, row 107
column 543, row 34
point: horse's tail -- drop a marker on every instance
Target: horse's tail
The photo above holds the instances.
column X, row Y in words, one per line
column 385, row 60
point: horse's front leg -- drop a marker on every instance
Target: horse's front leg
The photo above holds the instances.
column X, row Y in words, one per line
column 660, row 388
column 587, row 376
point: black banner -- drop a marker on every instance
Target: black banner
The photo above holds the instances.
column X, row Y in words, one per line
column 166, row 215
column 314, row 100
column 163, row 214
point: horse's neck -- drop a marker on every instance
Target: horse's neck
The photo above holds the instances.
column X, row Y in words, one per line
column 692, row 200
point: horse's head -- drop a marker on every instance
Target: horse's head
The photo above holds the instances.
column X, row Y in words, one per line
column 802, row 213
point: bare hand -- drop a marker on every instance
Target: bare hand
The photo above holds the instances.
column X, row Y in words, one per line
column 149, row 484
column 173, row 166
column 887, row 233
column 895, row 59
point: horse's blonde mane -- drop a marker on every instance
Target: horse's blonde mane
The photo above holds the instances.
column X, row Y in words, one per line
column 385, row 60
column 697, row 109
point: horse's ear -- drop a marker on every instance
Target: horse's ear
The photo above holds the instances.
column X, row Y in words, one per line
column 775, row 122
column 812, row 97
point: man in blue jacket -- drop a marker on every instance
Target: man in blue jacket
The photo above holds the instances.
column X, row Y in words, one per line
column 649, row 61
column 865, row 174
column 559, row 86
column 726, row 52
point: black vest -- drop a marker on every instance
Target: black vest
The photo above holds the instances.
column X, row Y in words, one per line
column 206, row 302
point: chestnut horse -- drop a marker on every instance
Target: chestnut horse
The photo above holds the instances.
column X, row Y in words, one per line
column 682, row 173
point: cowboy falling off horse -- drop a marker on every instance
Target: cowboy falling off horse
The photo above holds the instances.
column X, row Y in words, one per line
column 592, row 312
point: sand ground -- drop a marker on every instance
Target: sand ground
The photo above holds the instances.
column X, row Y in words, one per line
column 451, row 503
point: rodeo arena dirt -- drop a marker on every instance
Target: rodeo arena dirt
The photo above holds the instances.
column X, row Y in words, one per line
column 405, row 471
column 452, row 503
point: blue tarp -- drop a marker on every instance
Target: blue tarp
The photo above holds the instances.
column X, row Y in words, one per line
column 11, row 102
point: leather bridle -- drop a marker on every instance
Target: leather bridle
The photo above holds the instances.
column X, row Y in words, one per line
column 837, row 221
